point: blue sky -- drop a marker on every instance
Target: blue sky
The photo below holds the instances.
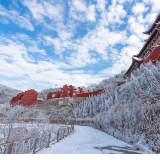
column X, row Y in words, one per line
column 78, row 42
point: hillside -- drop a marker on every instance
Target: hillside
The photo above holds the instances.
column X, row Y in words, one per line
column 130, row 112
column 7, row 93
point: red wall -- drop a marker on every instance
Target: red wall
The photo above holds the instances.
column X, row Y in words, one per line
column 94, row 93
column 30, row 97
column 154, row 56
column 58, row 94
column 83, row 94
column 50, row 95
column 120, row 83
column 26, row 98
column 16, row 100
column 73, row 92
column 64, row 92
column 68, row 91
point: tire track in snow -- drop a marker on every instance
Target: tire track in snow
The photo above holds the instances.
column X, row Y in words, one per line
column 80, row 140
column 96, row 140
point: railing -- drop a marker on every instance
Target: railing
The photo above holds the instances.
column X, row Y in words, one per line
column 35, row 144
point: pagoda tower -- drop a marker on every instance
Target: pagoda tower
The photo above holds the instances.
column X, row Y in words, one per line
column 150, row 50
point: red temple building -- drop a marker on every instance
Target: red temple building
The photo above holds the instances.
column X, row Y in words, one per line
column 80, row 90
column 150, row 50
column 89, row 94
column 71, row 91
column 53, row 95
column 68, row 91
column 26, row 98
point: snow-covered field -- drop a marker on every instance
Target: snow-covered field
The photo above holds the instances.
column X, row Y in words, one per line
column 87, row 140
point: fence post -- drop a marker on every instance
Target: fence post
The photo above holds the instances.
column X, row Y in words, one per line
column 58, row 136
column 10, row 147
column 64, row 133
column 35, row 145
column 49, row 140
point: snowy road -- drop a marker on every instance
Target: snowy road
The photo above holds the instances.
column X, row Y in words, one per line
column 87, row 140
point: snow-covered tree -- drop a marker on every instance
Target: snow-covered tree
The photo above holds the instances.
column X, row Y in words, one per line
column 129, row 112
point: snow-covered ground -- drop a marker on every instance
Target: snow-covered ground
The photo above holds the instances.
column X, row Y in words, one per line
column 87, row 140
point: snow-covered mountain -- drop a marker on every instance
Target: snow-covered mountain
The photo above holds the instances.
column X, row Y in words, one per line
column 7, row 93
column 105, row 83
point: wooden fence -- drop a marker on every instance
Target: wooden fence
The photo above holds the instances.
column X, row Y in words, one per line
column 35, row 144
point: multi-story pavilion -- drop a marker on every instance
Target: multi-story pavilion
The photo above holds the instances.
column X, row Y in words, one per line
column 150, row 50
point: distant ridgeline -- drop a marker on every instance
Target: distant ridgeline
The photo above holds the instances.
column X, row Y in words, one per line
column 7, row 93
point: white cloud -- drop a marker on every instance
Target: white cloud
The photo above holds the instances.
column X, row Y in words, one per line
column 82, row 51
column 90, row 14
column 16, row 18
column 139, row 8
column 80, row 5
column 4, row 20
column 101, row 5
column 56, row 42
column 116, row 13
column 81, row 12
column 137, row 28
column 44, row 9
column 90, row 48
column 35, row 49
column 14, row 63
column 122, row 62
column 155, row 5
column 123, row 1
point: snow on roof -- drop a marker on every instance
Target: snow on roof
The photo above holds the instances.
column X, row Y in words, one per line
column 137, row 59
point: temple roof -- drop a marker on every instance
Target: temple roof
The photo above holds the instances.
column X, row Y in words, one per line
column 135, row 58
column 153, row 25
column 134, row 61
column 147, row 43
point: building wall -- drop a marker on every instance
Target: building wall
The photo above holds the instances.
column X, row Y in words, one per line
column 26, row 98
column 154, row 56
column 64, row 92
column 58, row 94
column 73, row 92
column 50, row 95
column 29, row 98
column 17, row 100
column 89, row 94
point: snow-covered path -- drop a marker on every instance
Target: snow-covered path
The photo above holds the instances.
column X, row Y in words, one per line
column 87, row 140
